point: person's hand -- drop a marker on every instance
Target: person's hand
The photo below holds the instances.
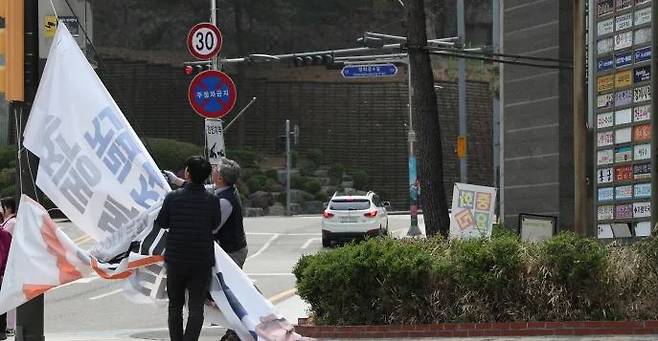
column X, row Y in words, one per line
column 172, row 178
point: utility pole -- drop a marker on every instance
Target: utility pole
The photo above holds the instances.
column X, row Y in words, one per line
column 413, row 178
column 423, row 97
column 461, row 32
column 497, row 160
column 288, row 167
column 29, row 325
column 579, row 124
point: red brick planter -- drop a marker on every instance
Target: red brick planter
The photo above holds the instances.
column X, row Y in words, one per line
column 481, row 329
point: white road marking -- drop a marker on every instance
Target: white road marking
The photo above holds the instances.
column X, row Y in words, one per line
column 264, row 247
column 308, row 242
column 106, row 294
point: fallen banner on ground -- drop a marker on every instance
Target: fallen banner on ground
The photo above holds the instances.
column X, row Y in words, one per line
column 97, row 171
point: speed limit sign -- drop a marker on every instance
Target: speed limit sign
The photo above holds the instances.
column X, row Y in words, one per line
column 204, row 41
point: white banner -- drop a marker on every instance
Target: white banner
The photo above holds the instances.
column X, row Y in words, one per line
column 472, row 213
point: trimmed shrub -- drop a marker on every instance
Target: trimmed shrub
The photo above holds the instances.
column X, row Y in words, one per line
column 312, row 186
column 336, row 172
column 298, row 182
column 272, row 174
column 246, row 157
column 434, row 280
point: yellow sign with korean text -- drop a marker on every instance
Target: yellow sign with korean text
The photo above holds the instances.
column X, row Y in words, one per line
column 605, row 83
column 624, row 79
column 49, row 26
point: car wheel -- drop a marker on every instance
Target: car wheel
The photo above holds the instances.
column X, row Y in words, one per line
column 326, row 242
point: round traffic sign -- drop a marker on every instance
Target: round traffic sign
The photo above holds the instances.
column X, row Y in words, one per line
column 212, row 94
column 204, row 41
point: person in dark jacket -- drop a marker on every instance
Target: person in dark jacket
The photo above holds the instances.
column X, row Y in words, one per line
column 190, row 214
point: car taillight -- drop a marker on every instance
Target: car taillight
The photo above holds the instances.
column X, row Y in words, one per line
column 370, row 214
column 327, row 214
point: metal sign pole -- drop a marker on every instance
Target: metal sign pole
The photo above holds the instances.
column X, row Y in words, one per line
column 288, row 166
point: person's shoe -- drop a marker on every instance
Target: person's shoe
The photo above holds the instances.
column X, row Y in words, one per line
column 10, row 332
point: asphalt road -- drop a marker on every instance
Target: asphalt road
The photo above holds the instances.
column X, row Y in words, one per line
column 275, row 244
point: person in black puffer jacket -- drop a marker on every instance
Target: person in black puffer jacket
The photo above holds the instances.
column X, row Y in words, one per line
column 190, row 214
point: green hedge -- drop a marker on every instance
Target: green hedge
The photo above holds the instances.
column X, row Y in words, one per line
column 385, row 281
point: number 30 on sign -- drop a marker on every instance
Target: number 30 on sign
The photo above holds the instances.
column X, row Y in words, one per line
column 204, row 41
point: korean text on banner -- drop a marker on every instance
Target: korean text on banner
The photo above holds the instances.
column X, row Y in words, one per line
column 472, row 211
column 92, row 165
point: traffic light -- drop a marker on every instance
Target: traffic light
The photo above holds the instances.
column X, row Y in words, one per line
column 12, row 35
column 193, row 68
column 317, row 59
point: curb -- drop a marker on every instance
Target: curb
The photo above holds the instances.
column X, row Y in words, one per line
column 569, row 328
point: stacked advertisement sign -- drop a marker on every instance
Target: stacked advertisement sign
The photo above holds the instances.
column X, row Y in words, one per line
column 624, row 128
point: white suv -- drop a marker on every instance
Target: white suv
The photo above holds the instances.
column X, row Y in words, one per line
column 349, row 216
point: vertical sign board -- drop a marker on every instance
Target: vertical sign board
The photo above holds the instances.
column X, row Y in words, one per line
column 472, row 211
column 625, row 127
column 215, row 140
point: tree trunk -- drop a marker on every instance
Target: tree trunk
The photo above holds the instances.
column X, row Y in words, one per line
column 425, row 109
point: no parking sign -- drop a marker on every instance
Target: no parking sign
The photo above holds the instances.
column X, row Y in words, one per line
column 212, row 94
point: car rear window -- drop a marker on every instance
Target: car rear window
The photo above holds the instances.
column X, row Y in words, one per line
column 346, row 205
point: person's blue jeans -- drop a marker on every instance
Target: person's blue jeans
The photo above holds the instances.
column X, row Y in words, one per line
column 196, row 280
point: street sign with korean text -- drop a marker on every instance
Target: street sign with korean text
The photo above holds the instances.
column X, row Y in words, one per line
column 605, row 120
column 604, row 157
column 623, row 173
column 642, row 190
column 624, row 211
column 623, row 154
column 624, row 97
column 623, row 59
column 642, row 171
column 606, row 194
column 642, row 16
column 641, row 209
column 204, row 41
column 369, row 70
column 605, row 176
column 605, row 27
column 643, row 54
column 623, row 79
column 642, row 94
column 605, row 101
column 606, row 138
column 642, row 133
column 623, row 4
column 604, row 7
column 605, row 64
column 642, row 152
column 605, row 83
column 212, row 94
column 642, row 113
column 642, row 73
column 624, row 192
column 215, row 140
column 623, row 21
column 606, row 212
column 623, row 40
